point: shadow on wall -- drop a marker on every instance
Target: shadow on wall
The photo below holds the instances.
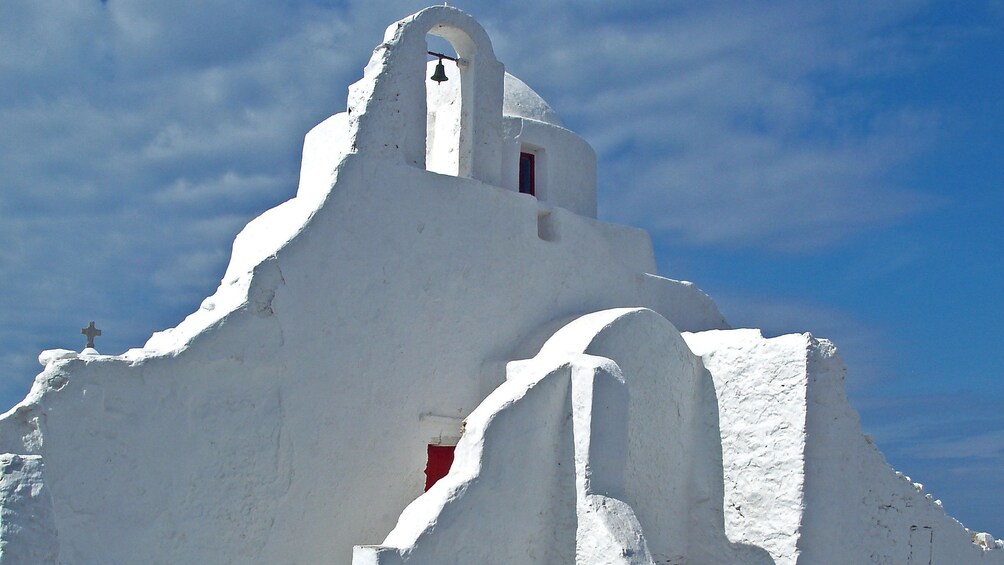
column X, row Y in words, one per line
column 754, row 555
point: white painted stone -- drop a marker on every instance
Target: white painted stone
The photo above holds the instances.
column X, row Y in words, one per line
column 27, row 532
column 985, row 541
column 801, row 479
column 53, row 355
column 606, row 446
column 522, row 102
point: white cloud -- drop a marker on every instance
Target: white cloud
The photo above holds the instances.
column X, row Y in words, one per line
column 713, row 125
column 225, row 188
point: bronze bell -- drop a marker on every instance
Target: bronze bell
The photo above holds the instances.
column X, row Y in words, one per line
column 440, row 74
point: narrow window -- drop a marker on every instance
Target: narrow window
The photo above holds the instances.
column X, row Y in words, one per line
column 440, row 460
column 526, row 174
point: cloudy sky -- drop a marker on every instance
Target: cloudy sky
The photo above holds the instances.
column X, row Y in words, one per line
column 833, row 167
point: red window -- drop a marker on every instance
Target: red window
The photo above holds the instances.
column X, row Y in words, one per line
column 526, row 174
column 440, row 459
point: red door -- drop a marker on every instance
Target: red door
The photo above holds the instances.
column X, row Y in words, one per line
column 440, row 459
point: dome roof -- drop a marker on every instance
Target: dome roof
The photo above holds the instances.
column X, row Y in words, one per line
column 521, row 101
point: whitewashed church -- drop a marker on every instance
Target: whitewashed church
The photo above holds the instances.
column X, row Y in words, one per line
column 436, row 354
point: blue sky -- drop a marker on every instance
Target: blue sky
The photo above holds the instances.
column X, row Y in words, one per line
column 827, row 167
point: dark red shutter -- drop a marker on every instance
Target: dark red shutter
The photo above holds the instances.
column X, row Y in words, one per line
column 440, row 459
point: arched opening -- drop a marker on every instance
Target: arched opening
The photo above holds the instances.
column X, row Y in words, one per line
column 444, row 108
column 449, row 104
column 387, row 109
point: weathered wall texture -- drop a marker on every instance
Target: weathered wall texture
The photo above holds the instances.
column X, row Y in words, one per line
column 27, row 532
column 263, row 425
column 801, row 479
column 607, row 446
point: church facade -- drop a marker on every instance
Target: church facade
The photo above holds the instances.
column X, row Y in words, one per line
column 435, row 353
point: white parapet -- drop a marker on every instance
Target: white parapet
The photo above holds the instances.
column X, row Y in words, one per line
column 801, row 480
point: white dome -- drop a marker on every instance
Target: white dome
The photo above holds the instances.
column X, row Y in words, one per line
column 521, row 101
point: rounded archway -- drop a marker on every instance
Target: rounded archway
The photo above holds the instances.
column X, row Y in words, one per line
column 387, row 109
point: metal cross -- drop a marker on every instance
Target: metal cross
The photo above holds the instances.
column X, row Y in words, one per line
column 91, row 332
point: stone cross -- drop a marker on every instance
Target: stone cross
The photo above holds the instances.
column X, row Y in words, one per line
column 91, row 332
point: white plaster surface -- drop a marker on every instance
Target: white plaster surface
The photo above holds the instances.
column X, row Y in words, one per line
column 52, row 355
column 607, row 445
column 801, row 479
column 27, row 532
column 255, row 401
column 521, row 101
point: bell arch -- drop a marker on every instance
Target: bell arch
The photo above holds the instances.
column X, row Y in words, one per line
column 444, row 105
column 387, row 109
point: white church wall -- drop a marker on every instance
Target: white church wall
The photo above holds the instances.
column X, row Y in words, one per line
column 521, row 101
column 269, row 422
column 674, row 445
column 27, row 532
column 681, row 302
column 801, row 479
column 664, row 404
column 180, row 465
column 891, row 519
column 510, row 494
column 641, row 415
column 287, row 419
column 552, row 438
column 565, row 164
column 324, row 146
column 760, row 387
column 608, row 530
